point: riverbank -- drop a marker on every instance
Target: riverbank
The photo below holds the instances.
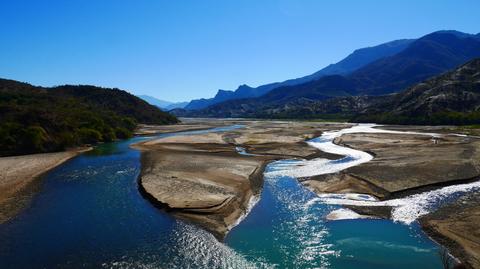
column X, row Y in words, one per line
column 20, row 176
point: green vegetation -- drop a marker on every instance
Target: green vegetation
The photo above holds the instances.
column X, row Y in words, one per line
column 440, row 118
column 34, row 119
column 449, row 99
column 473, row 130
column 324, row 117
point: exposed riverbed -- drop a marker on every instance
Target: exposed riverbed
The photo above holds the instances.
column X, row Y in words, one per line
column 89, row 213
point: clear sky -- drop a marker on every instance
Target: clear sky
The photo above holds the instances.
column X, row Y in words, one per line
column 179, row 50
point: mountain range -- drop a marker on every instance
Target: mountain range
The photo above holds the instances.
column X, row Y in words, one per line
column 355, row 60
column 451, row 98
column 419, row 59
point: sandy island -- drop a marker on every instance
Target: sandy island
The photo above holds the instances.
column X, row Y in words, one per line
column 19, row 178
column 202, row 177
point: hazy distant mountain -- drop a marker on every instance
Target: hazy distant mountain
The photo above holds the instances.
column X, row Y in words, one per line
column 425, row 57
column 243, row 91
column 165, row 105
column 175, row 105
column 352, row 62
column 154, row 101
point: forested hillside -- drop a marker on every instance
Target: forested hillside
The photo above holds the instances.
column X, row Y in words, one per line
column 35, row 119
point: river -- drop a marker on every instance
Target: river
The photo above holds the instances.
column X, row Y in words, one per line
column 89, row 213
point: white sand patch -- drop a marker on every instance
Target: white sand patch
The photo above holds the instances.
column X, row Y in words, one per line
column 410, row 208
column 343, row 214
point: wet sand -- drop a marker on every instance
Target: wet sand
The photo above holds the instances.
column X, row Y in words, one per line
column 20, row 175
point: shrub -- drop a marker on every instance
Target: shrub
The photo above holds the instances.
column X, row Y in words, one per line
column 89, row 136
column 123, row 133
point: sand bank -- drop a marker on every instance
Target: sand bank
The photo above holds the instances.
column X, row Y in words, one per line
column 19, row 178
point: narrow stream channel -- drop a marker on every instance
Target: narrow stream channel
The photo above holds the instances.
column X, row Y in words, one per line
column 89, row 213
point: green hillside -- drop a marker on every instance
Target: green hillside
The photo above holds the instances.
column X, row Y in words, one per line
column 35, row 119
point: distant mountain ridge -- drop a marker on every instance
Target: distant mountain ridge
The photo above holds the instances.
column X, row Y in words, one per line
column 423, row 58
column 164, row 105
column 154, row 101
column 175, row 105
column 430, row 55
column 355, row 60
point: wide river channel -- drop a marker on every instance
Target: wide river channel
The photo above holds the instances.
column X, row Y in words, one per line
column 89, row 213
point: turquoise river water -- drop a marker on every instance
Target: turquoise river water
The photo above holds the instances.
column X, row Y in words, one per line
column 90, row 214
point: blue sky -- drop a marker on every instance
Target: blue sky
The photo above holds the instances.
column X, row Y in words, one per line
column 179, row 50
